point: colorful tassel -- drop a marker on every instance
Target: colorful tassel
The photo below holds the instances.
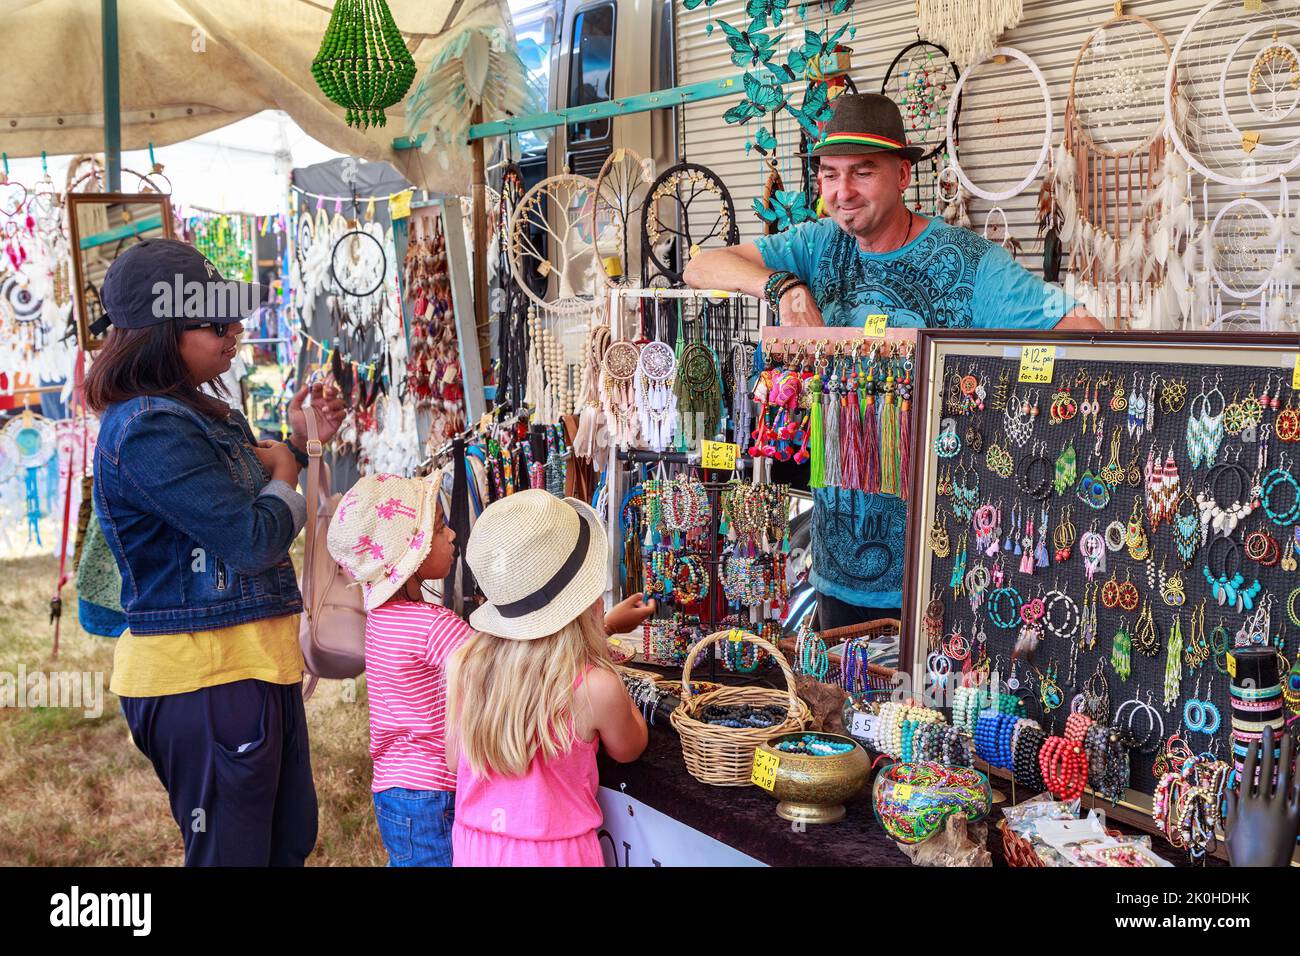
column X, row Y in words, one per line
column 816, row 439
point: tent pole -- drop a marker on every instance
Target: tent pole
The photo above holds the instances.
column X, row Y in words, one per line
column 112, row 97
column 479, row 252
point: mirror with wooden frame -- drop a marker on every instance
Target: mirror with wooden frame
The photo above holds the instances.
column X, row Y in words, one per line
column 101, row 226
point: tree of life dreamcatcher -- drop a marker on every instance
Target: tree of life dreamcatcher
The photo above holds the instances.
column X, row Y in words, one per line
column 621, row 188
column 688, row 209
column 921, row 80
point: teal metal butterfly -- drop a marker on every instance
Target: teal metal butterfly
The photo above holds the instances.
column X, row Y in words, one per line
column 764, row 141
column 785, row 209
column 692, row 4
column 815, row 109
column 751, row 46
column 760, row 97
column 767, row 11
column 815, row 46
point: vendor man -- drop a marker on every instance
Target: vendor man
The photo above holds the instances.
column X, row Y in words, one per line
column 872, row 254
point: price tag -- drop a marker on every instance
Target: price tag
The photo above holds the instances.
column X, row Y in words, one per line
column 764, row 773
column 1249, row 140
column 902, row 791
column 864, row 725
column 1295, row 373
column 874, row 327
column 399, row 206
column 1232, row 666
column 1253, row 6
column 1037, row 363
column 719, row 455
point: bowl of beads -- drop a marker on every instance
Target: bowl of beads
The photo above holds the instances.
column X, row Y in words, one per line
column 814, row 773
column 913, row 801
column 674, row 687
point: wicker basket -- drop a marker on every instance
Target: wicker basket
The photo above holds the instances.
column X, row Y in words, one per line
column 724, row 756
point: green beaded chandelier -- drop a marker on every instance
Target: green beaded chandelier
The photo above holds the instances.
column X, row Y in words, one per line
column 363, row 63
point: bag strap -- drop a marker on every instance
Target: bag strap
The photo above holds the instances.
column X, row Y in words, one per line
column 314, row 487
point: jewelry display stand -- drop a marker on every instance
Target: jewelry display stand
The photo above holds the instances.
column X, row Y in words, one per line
column 1147, row 598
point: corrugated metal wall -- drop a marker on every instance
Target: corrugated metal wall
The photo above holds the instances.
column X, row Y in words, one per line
column 1001, row 121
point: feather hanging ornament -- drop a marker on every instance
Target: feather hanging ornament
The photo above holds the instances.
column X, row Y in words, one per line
column 477, row 66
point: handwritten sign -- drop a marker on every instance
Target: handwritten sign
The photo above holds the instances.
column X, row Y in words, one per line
column 764, row 772
column 874, row 327
column 399, row 205
column 864, row 725
column 1037, row 363
column 1232, row 666
column 719, row 455
column 902, row 791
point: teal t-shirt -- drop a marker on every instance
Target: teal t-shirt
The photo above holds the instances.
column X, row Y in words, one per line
column 947, row 278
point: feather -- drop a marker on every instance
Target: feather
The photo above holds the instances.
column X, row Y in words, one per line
column 1141, row 318
column 1069, row 217
column 1110, row 253
column 1275, row 312
column 1286, row 271
column 1182, row 293
column 1160, row 244
column 1208, row 251
column 1189, row 256
column 1066, row 167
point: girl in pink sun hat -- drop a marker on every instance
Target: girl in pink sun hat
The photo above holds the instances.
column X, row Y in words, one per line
column 391, row 534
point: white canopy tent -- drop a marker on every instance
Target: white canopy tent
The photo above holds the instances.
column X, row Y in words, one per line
column 188, row 67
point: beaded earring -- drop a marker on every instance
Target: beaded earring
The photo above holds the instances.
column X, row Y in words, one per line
column 1066, row 469
column 1121, row 652
column 939, row 542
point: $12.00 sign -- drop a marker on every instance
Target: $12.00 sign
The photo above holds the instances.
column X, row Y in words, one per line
column 1036, row 364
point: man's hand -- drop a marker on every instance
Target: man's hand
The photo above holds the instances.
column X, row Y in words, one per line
column 1262, row 822
column 628, row 614
column 798, row 308
column 328, row 404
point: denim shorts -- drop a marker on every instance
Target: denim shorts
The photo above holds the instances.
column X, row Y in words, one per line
column 415, row 825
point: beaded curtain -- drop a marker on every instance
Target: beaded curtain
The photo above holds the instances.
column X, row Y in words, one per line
column 1169, row 431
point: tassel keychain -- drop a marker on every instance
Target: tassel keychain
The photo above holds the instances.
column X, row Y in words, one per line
column 889, row 460
column 816, row 439
column 871, row 434
column 851, row 436
column 904, row 433
column 831, row 424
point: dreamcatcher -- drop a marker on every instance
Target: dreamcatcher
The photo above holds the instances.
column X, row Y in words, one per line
column 1238, row 87
column 688, row 209
column 1094, row 200
column 921, row 80
column 34, row 440
column 621, row 188
column 1004, row 109
column 969, row 29
column 551, row 238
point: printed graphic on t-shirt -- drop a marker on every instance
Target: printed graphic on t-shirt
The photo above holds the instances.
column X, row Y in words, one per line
column 858, row 540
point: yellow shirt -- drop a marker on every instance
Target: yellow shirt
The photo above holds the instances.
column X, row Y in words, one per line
column 154, row 665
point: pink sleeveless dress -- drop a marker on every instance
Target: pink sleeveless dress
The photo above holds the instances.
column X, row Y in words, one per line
column 547, row 817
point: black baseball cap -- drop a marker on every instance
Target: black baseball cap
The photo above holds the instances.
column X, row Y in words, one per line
column 164, row 280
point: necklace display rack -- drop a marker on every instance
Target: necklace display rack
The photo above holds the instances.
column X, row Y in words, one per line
column 715, row 604
column 1222, row 386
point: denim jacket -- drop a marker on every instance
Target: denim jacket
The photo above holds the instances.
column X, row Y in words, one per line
column 200, row 534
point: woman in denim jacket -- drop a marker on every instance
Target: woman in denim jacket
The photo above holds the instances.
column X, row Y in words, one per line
column 200, row 518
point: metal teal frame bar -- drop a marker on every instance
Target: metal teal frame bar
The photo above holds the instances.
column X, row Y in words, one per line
column 121, row 232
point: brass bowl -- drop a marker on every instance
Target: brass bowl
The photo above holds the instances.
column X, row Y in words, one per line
column 813, row 789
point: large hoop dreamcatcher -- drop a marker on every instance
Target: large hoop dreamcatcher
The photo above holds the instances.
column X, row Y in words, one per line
column 921, row 80
column 551, row 238
column 688, row 209
column 621, row 188
column 1239, row 85
column 1109, row 161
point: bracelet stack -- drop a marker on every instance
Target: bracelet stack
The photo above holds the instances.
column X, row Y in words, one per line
column 778, row 284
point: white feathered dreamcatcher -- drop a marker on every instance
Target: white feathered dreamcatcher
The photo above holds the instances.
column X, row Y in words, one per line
column 476, row 66
column 1239, row 80
column 552, row 249
column 1115, row 227
column 968, row 29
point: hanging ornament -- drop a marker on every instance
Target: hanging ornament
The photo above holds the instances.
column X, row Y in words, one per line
column 363, row 63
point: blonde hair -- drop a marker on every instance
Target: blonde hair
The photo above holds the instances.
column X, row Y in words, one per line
column 510, row 700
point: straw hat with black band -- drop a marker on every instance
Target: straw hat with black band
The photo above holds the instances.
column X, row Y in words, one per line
column 539, row 560
column 864, row 123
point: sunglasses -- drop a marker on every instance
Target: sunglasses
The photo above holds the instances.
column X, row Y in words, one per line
column 218, row 328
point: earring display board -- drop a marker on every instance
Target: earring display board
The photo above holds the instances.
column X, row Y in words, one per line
column 1125, row 522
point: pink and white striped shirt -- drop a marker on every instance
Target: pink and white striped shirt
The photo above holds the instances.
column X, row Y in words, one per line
column 407, row 646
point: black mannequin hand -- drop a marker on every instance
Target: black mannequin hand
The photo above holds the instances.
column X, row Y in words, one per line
column 1262, row 823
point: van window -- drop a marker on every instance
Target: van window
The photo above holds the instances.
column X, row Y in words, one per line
column 534, row 38
column 591, row 68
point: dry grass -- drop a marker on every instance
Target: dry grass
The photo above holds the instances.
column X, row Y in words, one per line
column 76, row 792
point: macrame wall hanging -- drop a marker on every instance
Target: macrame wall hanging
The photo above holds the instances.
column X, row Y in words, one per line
column 1111, row 157
column 921, row 80
column 1237, row 95
column 551, row 240
column 968, row 29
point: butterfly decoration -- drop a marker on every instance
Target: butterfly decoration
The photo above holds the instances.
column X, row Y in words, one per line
column 751, row 46
column 815, row 109
column 760, row 98
column 764, row 141
column 692, row 4
column 815, row 46
column 787, row 207
column 765, row 10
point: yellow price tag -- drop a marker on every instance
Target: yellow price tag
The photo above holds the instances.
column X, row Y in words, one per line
column 1037, row 363
column 719, row 455
column 764, row 772
column 1295, row 373
column 874, row 327
column 1232, row 666
column 399, row 205
column 1249, row 140
column 902, row 791
column 1253, row 6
